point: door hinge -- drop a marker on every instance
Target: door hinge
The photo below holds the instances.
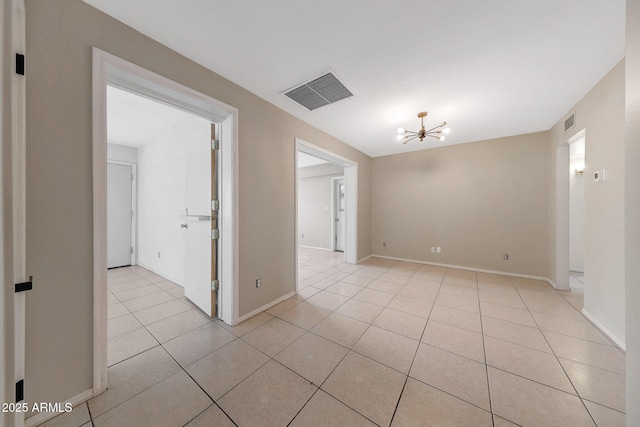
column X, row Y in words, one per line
column 215, row 285
column 215, row 234
column 20, row 391
column 215, row 205
column 20, row 64
column 25, row 286
column 215, row 144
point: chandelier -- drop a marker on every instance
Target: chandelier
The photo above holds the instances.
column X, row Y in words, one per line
column 435, row 132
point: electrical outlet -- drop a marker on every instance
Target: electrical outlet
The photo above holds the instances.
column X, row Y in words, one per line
column 433, row 249
column 505, row 256
column 258, row 282
column 384, row 244
column 438, row 249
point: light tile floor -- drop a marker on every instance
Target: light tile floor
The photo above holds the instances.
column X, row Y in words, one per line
column 380, row 343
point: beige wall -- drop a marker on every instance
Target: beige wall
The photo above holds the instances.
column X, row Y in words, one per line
column 601, row 114
column 476, row 201
column 315, row 215
column 632, row 201
column 60, row 39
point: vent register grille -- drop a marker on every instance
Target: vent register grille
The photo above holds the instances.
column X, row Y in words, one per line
column 570, row 122
column 319, row 92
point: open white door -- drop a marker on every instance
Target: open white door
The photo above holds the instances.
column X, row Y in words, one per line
column 200, row 219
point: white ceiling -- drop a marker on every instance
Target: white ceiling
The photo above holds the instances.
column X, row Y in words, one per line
column 305, row 160
column 134, row 120
column 490, row 68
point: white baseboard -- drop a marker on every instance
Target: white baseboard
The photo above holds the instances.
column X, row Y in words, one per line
column 365, row 258
column 462, row 267
column 316, row 247
column 45, row 416
column 265, row 307
column 620, row 343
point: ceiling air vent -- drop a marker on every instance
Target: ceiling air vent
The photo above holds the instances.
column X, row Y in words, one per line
column 319, row 92
column 570, row 122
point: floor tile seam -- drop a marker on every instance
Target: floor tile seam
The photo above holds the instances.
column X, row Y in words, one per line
column 344, row 403
column 120, row 315
column 244, row 378
column 582, row 339
column 590, row 365
column 520, row 345
column 301, row 327
column 579, row 338
column 384, row 364
column 206, row 409
column 576, row 395
column 154, row 305
column 457, row 397
column 521, row 375
column 127, row 289
column 486, row 365
column 151, row 284
column 126, row 332
column 179, row 368
column 179, row 335
column 168, row 317
column 603, row 405
column 556, row 356
column 400, row 333
column 593, row 367
column 424, row 330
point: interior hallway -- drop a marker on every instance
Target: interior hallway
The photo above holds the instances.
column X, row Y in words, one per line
column 381, row 343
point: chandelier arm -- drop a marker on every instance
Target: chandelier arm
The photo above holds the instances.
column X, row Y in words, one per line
column 410, row 139
column 436, row 127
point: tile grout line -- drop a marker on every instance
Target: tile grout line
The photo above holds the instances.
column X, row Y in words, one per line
column 557, row 359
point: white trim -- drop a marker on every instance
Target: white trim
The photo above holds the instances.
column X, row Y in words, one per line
column 315, row 247
column 45, row 416
column 620, row 343
column 134, row 206
column 266, row 307
column 364, row 259
column 109, row 69
column 333, row 209
column 19, row 190
column 461, row 267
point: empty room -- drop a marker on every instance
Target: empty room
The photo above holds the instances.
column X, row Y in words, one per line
column 301, row 213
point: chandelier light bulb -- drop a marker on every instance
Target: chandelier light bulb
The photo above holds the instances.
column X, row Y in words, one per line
column 400, row 130
column 399, row 137
column 441, row 138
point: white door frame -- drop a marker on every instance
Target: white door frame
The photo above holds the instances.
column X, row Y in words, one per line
column 134, row 207
column 109, row 69
column 562, row 212
column 351, row 199
column 333, row 210
column 13, row 207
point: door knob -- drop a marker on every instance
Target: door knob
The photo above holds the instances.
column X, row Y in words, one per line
column 184, row 226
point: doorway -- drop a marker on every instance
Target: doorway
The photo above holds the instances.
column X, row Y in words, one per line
column 349, row 171
column 576, row 211
column 109, row 70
